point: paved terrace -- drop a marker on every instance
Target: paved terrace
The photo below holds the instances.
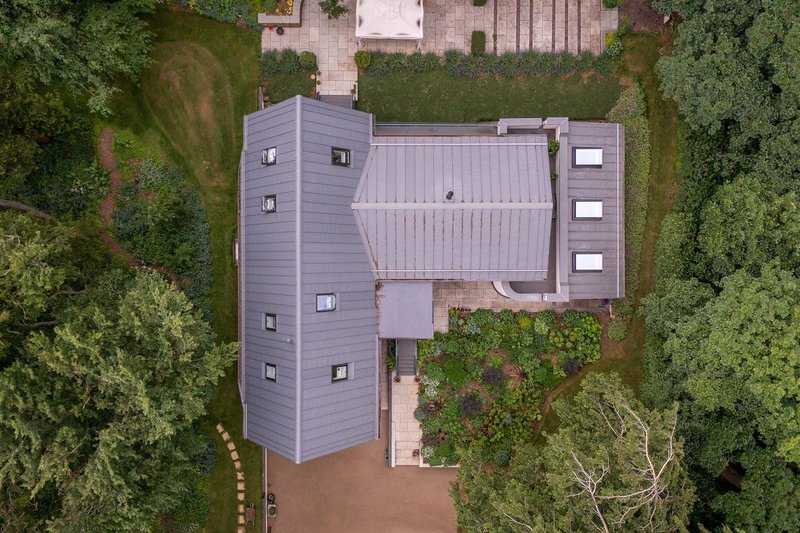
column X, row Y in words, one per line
column 547, row 25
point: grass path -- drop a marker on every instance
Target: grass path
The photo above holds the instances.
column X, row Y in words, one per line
column 187, row 107
column 642, row 50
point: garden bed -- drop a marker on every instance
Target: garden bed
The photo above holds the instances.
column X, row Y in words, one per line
column 482, row 382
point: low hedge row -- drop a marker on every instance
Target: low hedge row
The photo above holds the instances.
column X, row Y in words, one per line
column 287, row 61
column 510, row 64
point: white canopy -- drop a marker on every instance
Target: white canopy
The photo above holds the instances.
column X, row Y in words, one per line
column 389, row 19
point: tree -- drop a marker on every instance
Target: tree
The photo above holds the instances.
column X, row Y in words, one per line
column 613, row 466
column 96, row 417
column 333, row 8
column 81, row 45
column 741, row 353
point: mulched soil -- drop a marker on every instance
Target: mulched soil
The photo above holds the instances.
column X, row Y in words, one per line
column 641, row 16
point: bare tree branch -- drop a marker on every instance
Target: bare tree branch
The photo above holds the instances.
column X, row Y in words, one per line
column 11, row 204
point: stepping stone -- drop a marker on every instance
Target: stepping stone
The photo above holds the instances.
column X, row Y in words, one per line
column 239, row 530
column 240, row 519
column 240, row 496
column 240, row 485
column 220, row 428
column 235, row 456
column 240, row 476
column 231, row 446
column 241, row 508
column 225, row 436
column 237, row 464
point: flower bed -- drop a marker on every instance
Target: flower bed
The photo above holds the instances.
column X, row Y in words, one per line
column 482, row 382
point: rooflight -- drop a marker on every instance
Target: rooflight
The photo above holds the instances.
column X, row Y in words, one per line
column 587, row 157
column 587, row 209
column 587, row 261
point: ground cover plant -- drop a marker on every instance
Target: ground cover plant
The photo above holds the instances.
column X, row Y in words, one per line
column 482, row 381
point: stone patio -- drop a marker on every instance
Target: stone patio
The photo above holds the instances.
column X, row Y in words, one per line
column 547, row 25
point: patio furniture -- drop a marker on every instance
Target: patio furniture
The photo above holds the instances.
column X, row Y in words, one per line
column 250, row 515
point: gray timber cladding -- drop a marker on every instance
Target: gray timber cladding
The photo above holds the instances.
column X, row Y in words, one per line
column 494, row 226
column 606, row 236
column 309, row 246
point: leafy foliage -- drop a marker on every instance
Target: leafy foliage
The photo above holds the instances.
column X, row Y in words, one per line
column 79, row 45
column 362, row 58
column 161, row 221
column 613, row 462
column 482, row 381
column 478, row 43
column 308, row 60
column 631, row 112
column 97, row 415
column 333, row 8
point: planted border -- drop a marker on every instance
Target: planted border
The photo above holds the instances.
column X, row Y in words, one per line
column 482, row 382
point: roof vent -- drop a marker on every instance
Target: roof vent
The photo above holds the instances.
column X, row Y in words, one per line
column 449, row 196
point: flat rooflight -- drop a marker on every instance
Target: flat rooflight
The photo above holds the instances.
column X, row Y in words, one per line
column 588, row 209
column 587, row 157
column 588, row 262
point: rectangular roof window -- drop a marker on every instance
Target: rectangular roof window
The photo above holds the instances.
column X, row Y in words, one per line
column 326, row 302
column 587, row 209
column 339, row 372
column 269, row 203
column 269, row 156
column 270, row 322
column 340, row 157
column 587, row 261
column 270, row 372
column 587, row 157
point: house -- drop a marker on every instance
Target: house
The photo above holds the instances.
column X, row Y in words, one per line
column 345, row 225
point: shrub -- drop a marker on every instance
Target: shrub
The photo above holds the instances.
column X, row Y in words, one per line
column 270, row 62
column 288, row 61
column 206, row 458
column 455, row 373
column 418, row 62
column 502, row 457
column 420, row 414
column 493, row 375
column 470, row 406
column 612, row 3
column 631, row 111
column 478, row 43
column 429, row 440
column 479, row 3
column 617, row 329
column 509, row 64
column 553, row 146
column 363, row 58
column 572, row 366
column 308, row 60
column 333, row 8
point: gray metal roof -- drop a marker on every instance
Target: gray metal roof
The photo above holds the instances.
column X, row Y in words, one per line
column 606, row 236
column 309, row 246
column 495, row 226
column 405, row 309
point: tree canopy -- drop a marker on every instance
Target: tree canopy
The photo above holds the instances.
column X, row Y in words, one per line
column 97, row 403
column 613, row 465
column 80, row 44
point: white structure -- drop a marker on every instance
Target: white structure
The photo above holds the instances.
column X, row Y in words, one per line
column 389, row 19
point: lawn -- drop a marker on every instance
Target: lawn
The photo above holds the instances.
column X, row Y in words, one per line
column 189, row 104
column 438, row 97
column 641, row 53
column 280, row 86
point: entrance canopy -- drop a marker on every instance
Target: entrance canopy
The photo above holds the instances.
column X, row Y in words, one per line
column 389, row 19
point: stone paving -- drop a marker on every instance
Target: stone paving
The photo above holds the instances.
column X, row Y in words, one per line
column 473, row 295
column 516, row 25
column 240, row 515
column 405, row 428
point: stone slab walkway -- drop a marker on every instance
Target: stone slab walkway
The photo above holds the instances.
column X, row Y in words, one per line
column 405, row 428
column 517, row 25
column 482, row 295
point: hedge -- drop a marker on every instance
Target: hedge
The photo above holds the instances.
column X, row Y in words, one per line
column 228, row 10
column 510, row 64
column 631, row 111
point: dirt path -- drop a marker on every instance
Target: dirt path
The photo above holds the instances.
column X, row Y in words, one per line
column 109, row 203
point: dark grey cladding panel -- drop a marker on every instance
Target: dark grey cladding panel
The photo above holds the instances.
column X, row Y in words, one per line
column 607, row 235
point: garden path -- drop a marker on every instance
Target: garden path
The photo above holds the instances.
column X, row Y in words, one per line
column 517, row 25
column 109, row 163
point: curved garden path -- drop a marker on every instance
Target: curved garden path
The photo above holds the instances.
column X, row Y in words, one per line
column 237, row 464
column 109, row 163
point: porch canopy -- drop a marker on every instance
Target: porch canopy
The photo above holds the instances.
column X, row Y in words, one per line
column 389, row 19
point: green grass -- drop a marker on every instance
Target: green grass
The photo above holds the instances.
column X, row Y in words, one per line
column 625, row 358
column 189, row 103
column 280, row 86
column 438, row 97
